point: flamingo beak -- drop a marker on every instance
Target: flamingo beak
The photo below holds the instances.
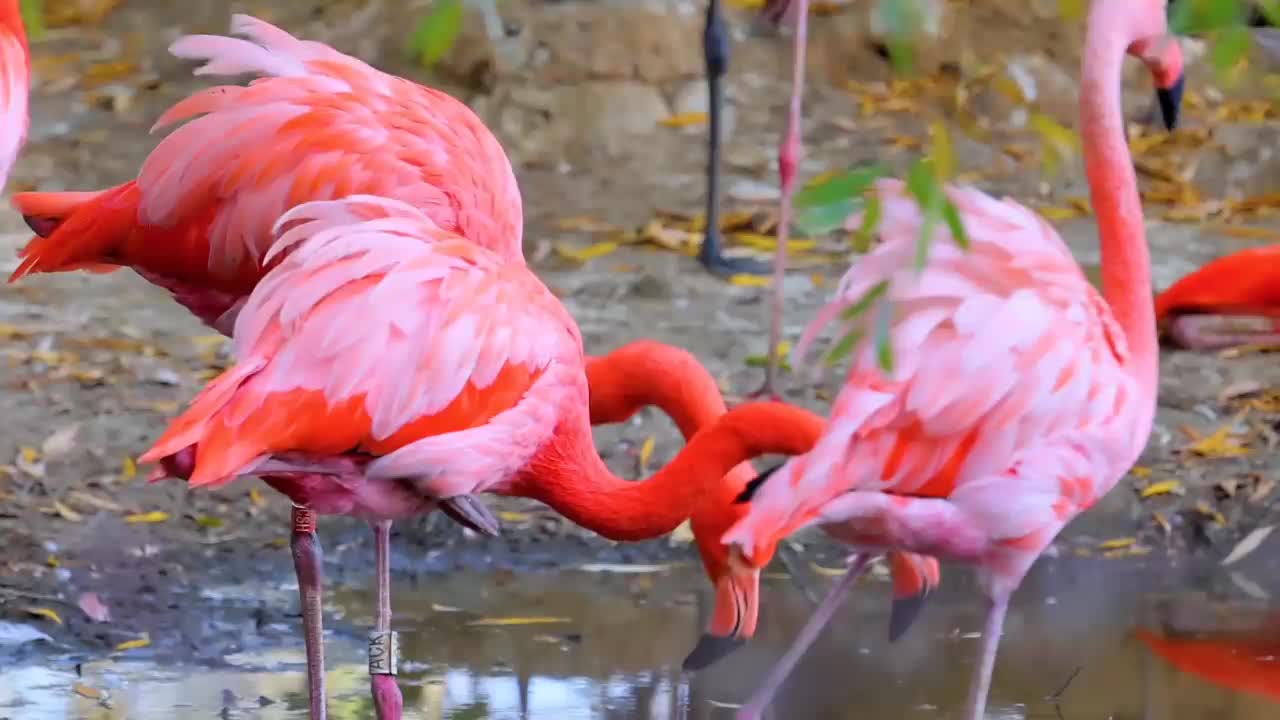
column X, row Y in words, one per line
column 734, row 621
column 1170, row 99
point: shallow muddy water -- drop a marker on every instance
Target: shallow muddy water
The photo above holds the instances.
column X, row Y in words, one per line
column 585, row 645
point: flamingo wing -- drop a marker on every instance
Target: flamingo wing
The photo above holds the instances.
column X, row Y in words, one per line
column 315, row 125
column 383, row 335
column 15, row 82
column 1009, row 366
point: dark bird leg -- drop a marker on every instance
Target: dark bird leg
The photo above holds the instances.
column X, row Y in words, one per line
column 307, row 559
column 789, row 155
column 715, row 45
column 384, row 644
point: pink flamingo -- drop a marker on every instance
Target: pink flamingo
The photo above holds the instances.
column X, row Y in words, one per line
column 316, row 124
column 1060, row 385
column 490, row 396
column 15, row 85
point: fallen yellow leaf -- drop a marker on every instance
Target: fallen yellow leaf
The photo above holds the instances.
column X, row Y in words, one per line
column 256, row 498
column 86, row 691
column 29, row 454
column 44, row 612
column 155, row 516
column 646, row 451
column 590, row 252
column 128, row 469
column 514, row 517
column 1164, row 487
column 141, row 642
column 1117, row 543
column 511, row 621
column 66, row 513
column 687, row 119
column 748, row 280
column 1219, row 445
column 1140, row 471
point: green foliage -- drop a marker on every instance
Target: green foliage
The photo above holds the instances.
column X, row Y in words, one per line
column 33, row 17
column 437, row 32
column 1224, row 23
column 823, row 207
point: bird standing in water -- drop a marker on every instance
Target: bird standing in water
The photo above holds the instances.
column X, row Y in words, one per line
column 1061, row 380
column 386, row 365
column 317, row 124
column 15, row 85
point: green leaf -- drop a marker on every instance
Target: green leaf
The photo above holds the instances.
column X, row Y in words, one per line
column 1192, row 17
column 922, row 183
column 1229, row 46
column 844, row 348
column 866, row 301
column 821, row 219
column 871, row 215
column 901, row 18
column 437, row 32
column 841, row 187
column 884, row 338
column 951, row 214
column 33, row 17
column 1270, row 10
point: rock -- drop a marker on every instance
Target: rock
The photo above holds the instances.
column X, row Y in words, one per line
column 579, row 42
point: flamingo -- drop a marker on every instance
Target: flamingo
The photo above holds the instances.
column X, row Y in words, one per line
column 15, row 85
column 316, row 124
column 647, row 372
column 1059, row 396
column 1234, row 300
column 386, row 364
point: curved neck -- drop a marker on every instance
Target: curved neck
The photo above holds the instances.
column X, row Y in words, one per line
column 568, row 475
column 1113, row 188
column 647, row 372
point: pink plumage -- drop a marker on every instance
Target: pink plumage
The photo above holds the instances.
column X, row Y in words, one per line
column 330, row 359
column 1020, row 394
column 315, row 125
column 15, row 82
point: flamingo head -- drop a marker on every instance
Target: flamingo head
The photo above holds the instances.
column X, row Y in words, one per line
column 736, row 577
column 1161, row 52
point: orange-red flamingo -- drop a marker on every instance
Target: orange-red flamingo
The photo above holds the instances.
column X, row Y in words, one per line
column 15, row 85
column 386, row 364
column 1234, row 300
column 1059, row 396
column 646, row 372
column 1245, row 662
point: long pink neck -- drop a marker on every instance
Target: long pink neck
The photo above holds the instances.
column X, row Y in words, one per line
column 1113, row 188
column 569, row 475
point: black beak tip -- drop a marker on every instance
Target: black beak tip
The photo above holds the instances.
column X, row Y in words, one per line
column 1171, row 102
column 904, row 614
column 710, row 650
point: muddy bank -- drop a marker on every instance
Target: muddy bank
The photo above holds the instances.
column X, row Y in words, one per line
column 94, row 365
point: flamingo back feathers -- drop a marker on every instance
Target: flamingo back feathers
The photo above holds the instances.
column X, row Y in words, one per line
column 1009, row 376
column 384, row 334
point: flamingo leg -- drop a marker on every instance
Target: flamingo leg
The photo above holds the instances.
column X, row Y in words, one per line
column 760, row 699
column 997, row 608
column 789, row 157
column 307, row 557
column 1215, row 332
column 715, row 46
column 384, row 646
